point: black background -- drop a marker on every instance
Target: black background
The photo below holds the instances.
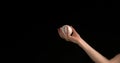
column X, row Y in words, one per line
column 98, row 27
column 36, row 38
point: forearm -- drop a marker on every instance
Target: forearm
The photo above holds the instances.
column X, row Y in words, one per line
column 92, row 53
column 116, row 59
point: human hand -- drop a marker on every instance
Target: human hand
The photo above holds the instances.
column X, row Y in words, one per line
column 75, row 37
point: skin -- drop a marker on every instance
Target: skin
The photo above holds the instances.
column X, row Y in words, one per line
column 92, row 53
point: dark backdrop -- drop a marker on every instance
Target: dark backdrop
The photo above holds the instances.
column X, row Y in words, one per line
column 96, row 22
column 98, row 27
column 30, row 33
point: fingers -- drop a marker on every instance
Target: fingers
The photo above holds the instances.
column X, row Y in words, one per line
column 67, row 32
column 67, row 35
column 62, row 35
column 75, row 36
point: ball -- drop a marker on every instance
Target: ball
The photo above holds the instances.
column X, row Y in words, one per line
column 66, row 29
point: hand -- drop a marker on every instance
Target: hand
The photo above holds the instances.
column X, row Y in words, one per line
column 75, row 38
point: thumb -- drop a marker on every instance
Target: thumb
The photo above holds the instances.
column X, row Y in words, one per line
column 74, row 31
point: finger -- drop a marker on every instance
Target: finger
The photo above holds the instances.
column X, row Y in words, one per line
column 63, row 34
column 67, row 32
column 60, row 33
column 67, row 35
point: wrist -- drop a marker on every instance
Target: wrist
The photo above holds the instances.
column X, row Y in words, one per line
column 80, row 41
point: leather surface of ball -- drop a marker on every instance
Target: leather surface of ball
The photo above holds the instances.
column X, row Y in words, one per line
column 66, row 29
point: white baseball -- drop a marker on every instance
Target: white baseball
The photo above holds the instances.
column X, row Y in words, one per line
column 65, row 30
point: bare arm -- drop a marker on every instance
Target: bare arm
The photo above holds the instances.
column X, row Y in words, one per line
column 116, row 59
column 92, row 53
column 96, row 56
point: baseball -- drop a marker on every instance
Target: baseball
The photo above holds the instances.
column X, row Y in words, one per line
column 65, row 30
